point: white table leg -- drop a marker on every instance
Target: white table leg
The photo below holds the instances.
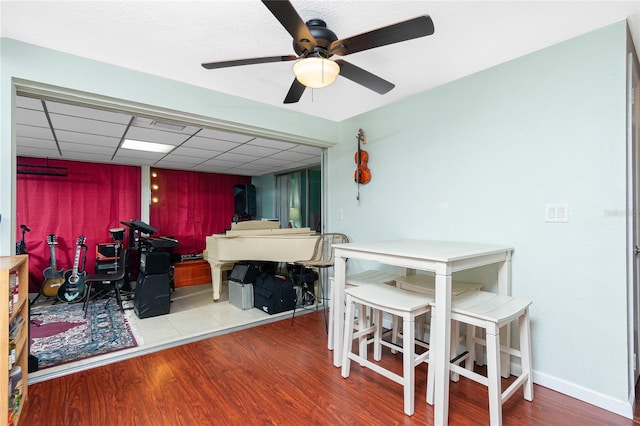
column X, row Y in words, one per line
column 442, row 349
column 338, row 308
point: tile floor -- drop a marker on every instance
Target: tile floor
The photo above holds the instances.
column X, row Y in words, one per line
column 193, row 316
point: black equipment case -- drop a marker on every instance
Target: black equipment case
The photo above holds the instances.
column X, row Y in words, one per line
column 273, row 294
column 243, row 273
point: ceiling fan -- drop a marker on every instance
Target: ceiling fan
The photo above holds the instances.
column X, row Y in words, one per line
column 314, row 44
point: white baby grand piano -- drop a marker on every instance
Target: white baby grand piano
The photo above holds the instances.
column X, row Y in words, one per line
column 256, row 240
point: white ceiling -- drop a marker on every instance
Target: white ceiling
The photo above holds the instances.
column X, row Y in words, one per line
column 172, row 38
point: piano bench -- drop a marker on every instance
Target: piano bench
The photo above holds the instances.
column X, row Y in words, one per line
column 191, row 272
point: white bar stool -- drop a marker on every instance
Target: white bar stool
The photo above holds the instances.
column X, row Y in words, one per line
column 426, row 284
column 382, row 298
column 490, row 312
column 355, row 280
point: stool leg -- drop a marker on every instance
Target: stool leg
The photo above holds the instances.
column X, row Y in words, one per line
column 431, row 371
column 363, row 323
column 331, row 310
column 455, row 346
column 348, row 337
column 493, row 374
column 421, row 326
column 471, row 346
column 525, row 354
column 377, row 335
column 395, row 331
column 408, row 362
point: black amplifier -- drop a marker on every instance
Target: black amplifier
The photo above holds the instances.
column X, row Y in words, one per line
column 106, row 251
column 154, row 263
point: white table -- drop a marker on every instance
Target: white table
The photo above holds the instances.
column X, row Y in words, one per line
column 442, row 257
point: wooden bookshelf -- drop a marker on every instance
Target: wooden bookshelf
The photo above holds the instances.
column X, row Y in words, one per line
column 14, row 268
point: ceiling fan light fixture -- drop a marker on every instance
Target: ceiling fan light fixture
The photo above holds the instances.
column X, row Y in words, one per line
column 316, row 72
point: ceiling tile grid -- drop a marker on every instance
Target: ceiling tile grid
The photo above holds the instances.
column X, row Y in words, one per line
column 89, row 134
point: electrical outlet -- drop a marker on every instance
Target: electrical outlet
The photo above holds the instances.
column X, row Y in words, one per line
column 340, row 214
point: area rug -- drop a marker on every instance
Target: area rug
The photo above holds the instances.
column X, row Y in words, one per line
column 60, row 334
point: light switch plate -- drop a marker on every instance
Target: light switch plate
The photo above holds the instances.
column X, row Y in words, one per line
column 557, row 213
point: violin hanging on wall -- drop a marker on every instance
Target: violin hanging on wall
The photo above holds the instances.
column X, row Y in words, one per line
column 362, row 175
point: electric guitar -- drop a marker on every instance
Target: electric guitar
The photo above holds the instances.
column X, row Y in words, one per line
column 73, row 289
column 53, row 278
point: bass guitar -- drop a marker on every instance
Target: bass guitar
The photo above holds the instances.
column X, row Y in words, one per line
column 73, row 290
column 53, row 278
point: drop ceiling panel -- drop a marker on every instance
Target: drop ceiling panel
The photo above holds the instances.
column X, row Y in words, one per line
column 72, row 148
column 87, row 156
column 237, row 158
column 225, row 136
column 291, row 156
column 173, row 165
column 202, row 154
column 254, row 150
column 216, row 162
column 254, row 167
column 86, row 125
column 272, row 143
column 38, row 151
column 311, row 150
column 36, row 143
column 82, row 112
column 247, row 171
column 25, row 131
column 31, row 117
column 181, row 159
column 271, row 162
column 208, row 143
column 87, row 139
column 28, row 103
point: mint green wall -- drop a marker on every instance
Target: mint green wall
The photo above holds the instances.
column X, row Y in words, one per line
column 478, row 160
column 28, row 62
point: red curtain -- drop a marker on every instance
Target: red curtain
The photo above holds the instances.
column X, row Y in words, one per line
column 191, row 205
column 90, row 200
column 93, row 198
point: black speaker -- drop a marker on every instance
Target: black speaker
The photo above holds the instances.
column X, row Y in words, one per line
column 155, row 263
column 152, row 296
column 243, row 273
column 106, row 252
column 244, row 199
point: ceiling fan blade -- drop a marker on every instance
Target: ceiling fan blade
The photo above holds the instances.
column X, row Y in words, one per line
column 295, row 92
column 402, row 31
column 250, row 61
column 364, row 78
column 291, row 21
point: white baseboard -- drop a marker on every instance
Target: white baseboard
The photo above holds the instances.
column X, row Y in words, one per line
column 623, row 408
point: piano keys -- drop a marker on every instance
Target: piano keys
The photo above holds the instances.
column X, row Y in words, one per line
column 256, row 240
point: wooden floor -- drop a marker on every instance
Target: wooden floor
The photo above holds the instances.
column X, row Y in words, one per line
column 275, row 374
